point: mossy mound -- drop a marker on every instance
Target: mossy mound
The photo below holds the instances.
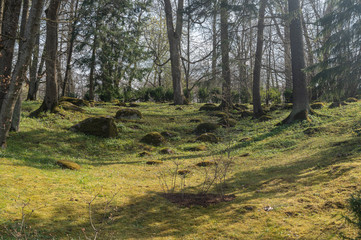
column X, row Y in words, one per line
column 205, row 163
column 144, row 154
column 197, row 148
column 207, row 137
column 128, row 114
column 351, row 100
column 220, row 114
column 68, row 165
column 209, row 107
column 206, row 127
column 168, row 134
column 241, row 107
column 153, row 138
column 179, row 108
column 97, row 126
column 68, row 106
column 245, row 155
column 335, row 105
column 317, row 105
column 75, row 101
column 183, row 172
column 195, row 120
column 314, row 130
column 121, row 104
column 154, row 162
column 166, row 151
column 134, row 105
column 245, row 114
column 264, row 118
column 247, row 139
column 227, row 122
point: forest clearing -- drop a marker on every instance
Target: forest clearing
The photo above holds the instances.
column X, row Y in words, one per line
column 294, row 184
column 182, row 119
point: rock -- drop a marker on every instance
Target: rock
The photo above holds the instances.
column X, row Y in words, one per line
column 168, row 134
column 207, row 137
column 227, row 122
column 209, row 107
column 179, row 109
column 68, row 164
column 128, row 114
column 335, row 105
column 121, row 104
column 133, row 105
column 245, row 155
column 195, row 120
column 153, row 138
column 351, row 100
column 75, row 101
column 196, row 148
column 317, row 105
column 68, row 106
column 97, row 126
column 154, row 162
column 264, row 118
column 205, row 163
column 183, row 172
column 206, row 127
column 166, row 151
column 144, row 154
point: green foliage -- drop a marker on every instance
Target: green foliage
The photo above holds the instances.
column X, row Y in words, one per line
column 288, row 95
column 273, row 94
column 354, row 206
column 216, row 95
column 203, row 95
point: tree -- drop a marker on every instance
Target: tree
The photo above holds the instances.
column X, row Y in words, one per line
column 16, row 82
column 300, row 107
column 174, row 38
column 50, row 102
column 257, row 107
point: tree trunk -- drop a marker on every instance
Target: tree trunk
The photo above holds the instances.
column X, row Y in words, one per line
column 174, row 38
column 214, row 47
column 92, row 68
column 226, row 73
column 287, row 56
column 15, row 123
column 34, row 81
column 300, row 97
column 7, row 43
column 16, row 82
column 51, row 91
column 257, row 108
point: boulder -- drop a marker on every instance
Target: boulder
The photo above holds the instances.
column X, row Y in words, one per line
column 75, row 101
column 128, row 114
column 97, row 126
column 207, row 137
column 209, row 107
column 68, row 106
column 206, row 127
column 153, row 138
column 227, row 122
column 166, row 151
column 68, row 164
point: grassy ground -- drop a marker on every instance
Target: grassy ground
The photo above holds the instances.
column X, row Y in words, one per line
column 293, row 185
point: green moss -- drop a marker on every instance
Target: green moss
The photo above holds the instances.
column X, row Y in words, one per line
column 166, row 151
column 264, row 118
column 131, row 114
column 68, row 164
column 351, row 100
column 227, row 122
column 154, row 162
column 100, row 126
column 144, row 154
column 68, row 106
column 206, row 127
column 197, row 148
column 207, row 137
column 209, row 107
column 75, row 101
column 205, row 163
column 317, row 105
column 153, row 138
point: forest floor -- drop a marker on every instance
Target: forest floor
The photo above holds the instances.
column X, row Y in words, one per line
column 289, row 182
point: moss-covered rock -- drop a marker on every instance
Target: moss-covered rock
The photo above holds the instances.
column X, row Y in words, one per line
column 227, row 122
column 75, row 101
column 206, row 127
column 207, row 137
column 167, row 134
column 133, row 105
column 68, row 106
column 144, row 154
column 166, row 151
column 351, row 100
column 179, row 108
column 128, row 114
column 317, row 105
column 153, row 138
column 97, row 126
column 245, row 155
column 335, row 105
column 154, row 162
column 68, row 164
column 264, row 118
column 209, row 107
column 205, row 163
column 197, row 148
column 121, row 104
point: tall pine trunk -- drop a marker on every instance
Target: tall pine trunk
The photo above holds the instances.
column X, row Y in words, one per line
column 257, row 107
column 300, row 96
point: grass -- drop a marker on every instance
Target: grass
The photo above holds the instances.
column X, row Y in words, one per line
column 305, row 179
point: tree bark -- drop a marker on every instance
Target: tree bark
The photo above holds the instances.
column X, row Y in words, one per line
column 33, row 83
column 174, row 38
column 257, row 107
column 300, row 97
column 226, row 72
column 287, row 55
column 50, row 102
column 214, row 46
column 16, row 82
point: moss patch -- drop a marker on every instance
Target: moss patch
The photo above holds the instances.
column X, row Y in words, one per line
column 131, row 114
column 68, row 164
column 101, row 127
column 153, row 138
column 206, row 127
column 207, row 137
